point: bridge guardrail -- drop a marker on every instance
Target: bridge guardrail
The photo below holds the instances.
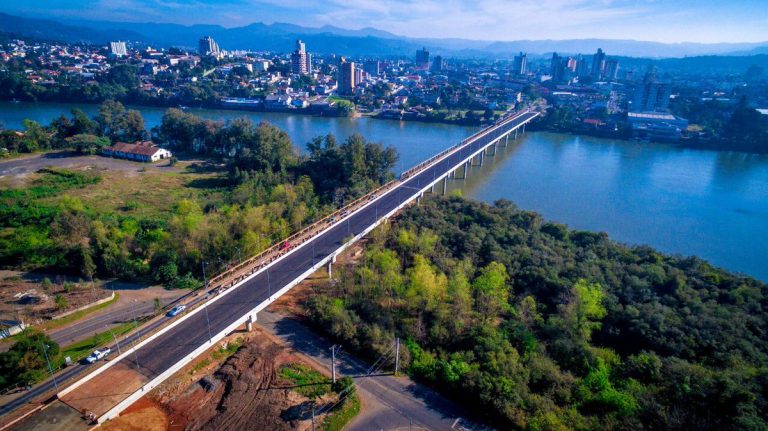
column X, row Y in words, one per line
column 504, row 119
column 249, row 266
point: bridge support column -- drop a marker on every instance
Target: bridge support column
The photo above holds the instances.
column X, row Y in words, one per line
column 506, row 140
column 524, row 127
column 445, row 185
column 249, row 323
column 515, row 133
column 330, row 266
column 466, row 167
column 482, row 155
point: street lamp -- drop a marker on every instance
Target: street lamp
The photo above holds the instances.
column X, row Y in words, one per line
column 50, row 369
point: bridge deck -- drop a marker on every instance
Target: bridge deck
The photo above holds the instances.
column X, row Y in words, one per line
column 154, row 358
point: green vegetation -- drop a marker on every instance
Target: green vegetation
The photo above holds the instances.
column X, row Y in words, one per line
column 164, row 227
column 346, row 410
column 84, row 348
column 25, row 362
column 540, row 327
column 307, row 381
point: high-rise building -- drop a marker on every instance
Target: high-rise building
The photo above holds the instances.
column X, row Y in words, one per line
column 611, row 71
column 572, row 64
column 520, row 64
column 598, row 64
column 301, row 61
column 372, row 67
column 582, row 66
column 347, row 77
column 422, row 58
column 437, row 64
column 118, row 48
column 558, row 67
column 651, row 96
column 208, row 46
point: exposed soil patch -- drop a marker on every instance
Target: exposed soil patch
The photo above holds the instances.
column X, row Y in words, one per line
column 26, row 297
column 246, row 392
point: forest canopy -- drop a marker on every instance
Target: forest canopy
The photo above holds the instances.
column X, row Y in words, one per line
column 545, row 328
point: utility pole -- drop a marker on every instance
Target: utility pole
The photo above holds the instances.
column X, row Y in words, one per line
column 333, row 364
column 116, row 342
column 135, row 324
column 45, row 352
column 397, row 355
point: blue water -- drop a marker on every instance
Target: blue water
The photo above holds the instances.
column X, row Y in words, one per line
column 691, row 202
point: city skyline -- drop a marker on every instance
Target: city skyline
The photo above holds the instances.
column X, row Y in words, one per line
column 684, row 21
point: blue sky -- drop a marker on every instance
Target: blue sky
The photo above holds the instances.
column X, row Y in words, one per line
column 658, row 20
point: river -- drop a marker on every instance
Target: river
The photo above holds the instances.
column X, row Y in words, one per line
column 691, row 202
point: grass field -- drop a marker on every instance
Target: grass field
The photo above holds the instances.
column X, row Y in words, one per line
column 147, row 193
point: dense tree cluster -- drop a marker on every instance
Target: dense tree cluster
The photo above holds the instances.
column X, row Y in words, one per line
column 544, row 328
column 267, row 192
column 25, row 361
column 79, row 132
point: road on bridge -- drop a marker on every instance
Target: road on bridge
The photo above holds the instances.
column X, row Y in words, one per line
column 172, row 346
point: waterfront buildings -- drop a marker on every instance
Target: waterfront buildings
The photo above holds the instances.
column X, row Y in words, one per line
column 347, row 77
column 301, row 61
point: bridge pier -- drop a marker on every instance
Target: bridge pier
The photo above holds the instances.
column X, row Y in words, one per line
column 506, row 140
column 445, row 185
column 482, row 155
column 466, row 166
column 249, row 323
column 515, row 134
column 330, row 266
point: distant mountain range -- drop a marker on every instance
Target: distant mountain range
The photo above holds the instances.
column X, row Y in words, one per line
column 329, row 39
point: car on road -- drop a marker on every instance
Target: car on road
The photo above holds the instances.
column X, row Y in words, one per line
column 285, row 246
column 98, row 355
column 176, row 310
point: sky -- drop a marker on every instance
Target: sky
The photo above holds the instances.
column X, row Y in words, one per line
column 704, row 21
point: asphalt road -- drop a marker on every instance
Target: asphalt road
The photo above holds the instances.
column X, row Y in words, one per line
column 390, row 402
column 76, row 370
column 172, row 346
column 169, row 348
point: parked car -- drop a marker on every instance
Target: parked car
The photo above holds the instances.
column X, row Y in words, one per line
column 176, row 310
column 98, row 355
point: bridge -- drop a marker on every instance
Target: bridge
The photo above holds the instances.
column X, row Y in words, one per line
column 240, row 293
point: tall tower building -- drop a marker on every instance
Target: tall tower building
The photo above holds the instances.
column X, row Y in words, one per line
column 208, row 46
column 437, row 64
column 422, row 58
column 651, row 96
column 598, row 64
column 118, row 48
column 557, row 66
column 520, row 64
column 611, row 72
column 347, row 78
column 301, row 61
column 372, row 67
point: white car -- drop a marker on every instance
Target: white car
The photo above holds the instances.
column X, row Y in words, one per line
column 176, row 310
column 98, row 354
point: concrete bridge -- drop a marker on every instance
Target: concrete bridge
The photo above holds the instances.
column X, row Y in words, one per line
column 253, row 285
